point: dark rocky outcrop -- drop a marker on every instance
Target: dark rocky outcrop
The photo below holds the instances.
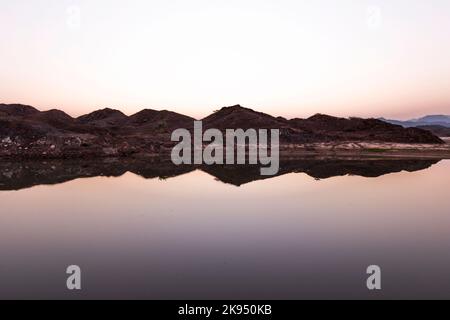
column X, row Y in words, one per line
column 318, row 128
column 151, row 121
column 358, row 129
column 26, row 132
column 104, row 118
column 240, row 117
column 439, row 131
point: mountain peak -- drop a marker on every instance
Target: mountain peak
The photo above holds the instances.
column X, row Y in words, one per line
column 240, row 117
column 235, row 108
column 146, row 115
column 434, row 118
column 102, row 114
column 17, row 109
column 428, row 121
column 103, row 117
column 320, row 116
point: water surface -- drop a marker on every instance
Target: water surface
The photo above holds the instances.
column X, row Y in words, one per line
column 158, row 232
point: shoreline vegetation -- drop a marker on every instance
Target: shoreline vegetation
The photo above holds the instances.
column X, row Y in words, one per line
column 27, row 133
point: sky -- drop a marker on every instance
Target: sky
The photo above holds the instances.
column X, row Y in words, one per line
column 290, row 58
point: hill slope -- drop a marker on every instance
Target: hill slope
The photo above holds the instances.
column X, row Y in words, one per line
column 431, row 120
column 28, row 132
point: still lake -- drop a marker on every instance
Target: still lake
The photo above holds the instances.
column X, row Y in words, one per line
column 310, row 232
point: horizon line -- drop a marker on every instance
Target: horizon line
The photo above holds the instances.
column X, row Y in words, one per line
column 214, row 111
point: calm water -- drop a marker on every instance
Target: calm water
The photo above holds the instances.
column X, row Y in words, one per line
column 222, row 233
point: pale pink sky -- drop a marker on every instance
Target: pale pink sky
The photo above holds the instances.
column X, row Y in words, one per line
column 285, row 57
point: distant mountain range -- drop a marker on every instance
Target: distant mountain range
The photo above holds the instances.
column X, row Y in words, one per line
column 438, row 124
column 30, row 133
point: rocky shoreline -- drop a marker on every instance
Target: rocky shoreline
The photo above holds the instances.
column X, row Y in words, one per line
column 27, row 133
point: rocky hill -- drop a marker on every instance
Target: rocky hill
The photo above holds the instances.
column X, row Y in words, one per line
column 319, row 128
column 29, row 133
column 439, row 131
column 358, row 129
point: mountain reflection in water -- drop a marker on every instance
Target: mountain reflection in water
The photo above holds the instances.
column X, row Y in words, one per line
column 20, row 175
column 200, row 237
